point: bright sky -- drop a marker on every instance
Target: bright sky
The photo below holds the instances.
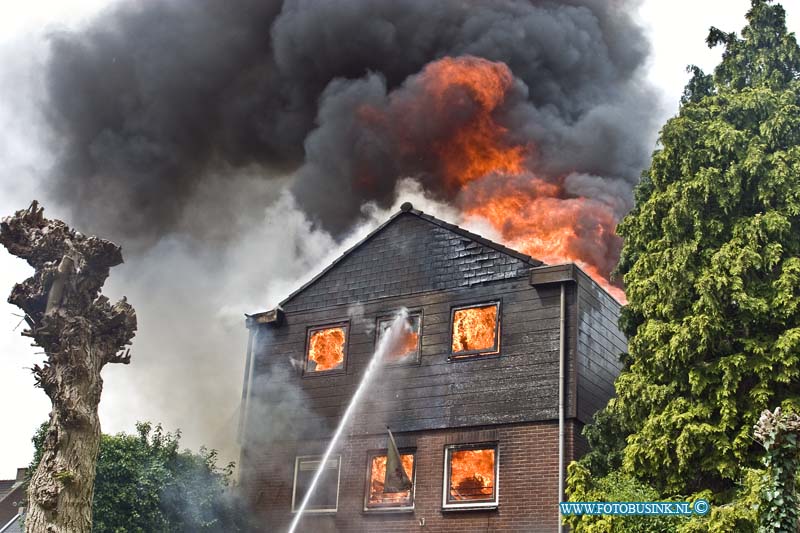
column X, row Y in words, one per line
column 677, row 29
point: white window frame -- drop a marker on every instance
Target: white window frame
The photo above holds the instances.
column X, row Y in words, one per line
column 470, row 505
column 298, row 459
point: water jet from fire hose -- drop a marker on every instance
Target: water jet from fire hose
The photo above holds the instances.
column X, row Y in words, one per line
column 389, row 342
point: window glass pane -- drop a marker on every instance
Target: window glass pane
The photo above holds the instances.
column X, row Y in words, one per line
column 326, row 349
column 475, row 329
column 376, row 497
column 472, row 475
column 408, row 351
column 325, row 494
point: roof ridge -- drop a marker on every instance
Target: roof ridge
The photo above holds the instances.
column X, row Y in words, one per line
column 474, row 236
column 15, row 484
column 14, row 519
column 407, row 207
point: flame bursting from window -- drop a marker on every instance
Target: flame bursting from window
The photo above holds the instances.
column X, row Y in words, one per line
column 472, row 474
column 474, row 329
column 473, row 158
column 326, row 350
column 378, row 475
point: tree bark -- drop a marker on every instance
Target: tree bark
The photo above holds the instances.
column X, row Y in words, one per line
column 80, row 331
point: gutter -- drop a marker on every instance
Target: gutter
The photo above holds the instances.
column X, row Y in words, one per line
column 11, row 522
column 253, row 324
column 561, row 390
column 561, row 274
column 248, row 372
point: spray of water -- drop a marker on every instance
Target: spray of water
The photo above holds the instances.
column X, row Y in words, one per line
column 388, row 341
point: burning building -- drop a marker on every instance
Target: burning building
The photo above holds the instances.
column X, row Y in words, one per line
column 502, row 361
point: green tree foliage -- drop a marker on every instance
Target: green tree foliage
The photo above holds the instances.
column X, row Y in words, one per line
column 615, row 487
column 145, row 483
column 780, row 502
column 711, row 262
column 739, row 515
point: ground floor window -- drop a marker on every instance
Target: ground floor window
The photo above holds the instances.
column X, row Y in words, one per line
column 377, row 498
column 326, row 495
column 471, row 476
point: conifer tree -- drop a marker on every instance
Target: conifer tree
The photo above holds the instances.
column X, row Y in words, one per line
column 711, row 263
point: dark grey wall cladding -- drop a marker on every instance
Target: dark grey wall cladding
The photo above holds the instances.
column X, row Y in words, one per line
column 521, row 384
column 418, row 264
column 410, row 255
column 599, row 344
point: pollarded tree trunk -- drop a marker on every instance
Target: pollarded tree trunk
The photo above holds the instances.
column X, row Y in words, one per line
column 80, row 331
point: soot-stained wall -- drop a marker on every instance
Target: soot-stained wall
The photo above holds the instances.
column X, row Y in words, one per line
column 430, row 268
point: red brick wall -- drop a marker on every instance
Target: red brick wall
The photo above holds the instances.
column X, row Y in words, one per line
column 528, row 483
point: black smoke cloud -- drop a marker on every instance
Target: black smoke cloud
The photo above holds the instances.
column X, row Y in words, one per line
column 154, row 98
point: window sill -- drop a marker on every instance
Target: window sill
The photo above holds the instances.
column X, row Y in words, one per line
column 473, row 507
column 473, row 356
column 410, row 362
column 324, row 373
column 388, row 510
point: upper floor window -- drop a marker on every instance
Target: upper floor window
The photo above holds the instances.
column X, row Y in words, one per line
column 325, row 498
column 475, row 330
column 377, row 498
column 326, row 348
column 407, row 350
column 471, row 476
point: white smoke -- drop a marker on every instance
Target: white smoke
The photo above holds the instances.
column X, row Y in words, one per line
column 191, row 295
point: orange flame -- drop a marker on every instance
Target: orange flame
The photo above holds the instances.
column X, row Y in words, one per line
column 534, row 218
column 472, row 474
column 476, row 148
column 326, row 349
column 407, row 346
column 377, row 476
column 489, row 173
column 474, row 328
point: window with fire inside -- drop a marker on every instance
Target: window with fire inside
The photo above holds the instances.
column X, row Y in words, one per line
column 475, row 330
column 326, row 349
column 379, row 497
column 471, row 477
column 406, row 348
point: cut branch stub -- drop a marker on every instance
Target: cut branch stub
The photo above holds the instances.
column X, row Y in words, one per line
column 70, row 270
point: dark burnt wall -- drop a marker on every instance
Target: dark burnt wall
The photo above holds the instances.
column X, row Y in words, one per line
column 599, row 344
column 519, row 384
column 410, row 255
column 428, row 268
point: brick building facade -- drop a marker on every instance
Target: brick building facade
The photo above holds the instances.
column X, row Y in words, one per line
column 475, row 418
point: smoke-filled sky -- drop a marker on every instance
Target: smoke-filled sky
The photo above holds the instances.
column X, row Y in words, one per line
column 234, row 148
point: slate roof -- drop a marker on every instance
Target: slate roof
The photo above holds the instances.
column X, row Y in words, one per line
column 453, row 257
column 11, row 494
column 5, row 487
column 13, row 526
